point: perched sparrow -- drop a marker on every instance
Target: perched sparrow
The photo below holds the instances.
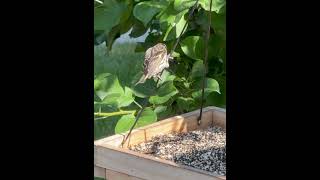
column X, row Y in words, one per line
column 156, row 59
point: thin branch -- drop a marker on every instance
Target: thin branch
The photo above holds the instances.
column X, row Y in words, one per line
column 205, row 65
column 113, row 113
column 137, row 104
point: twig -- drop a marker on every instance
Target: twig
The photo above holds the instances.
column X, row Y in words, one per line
column 113, row 113
column 205, row 65
column 137, row 104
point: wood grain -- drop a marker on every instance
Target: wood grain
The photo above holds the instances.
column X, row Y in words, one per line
column 114, row 175
column 99, row 172
column 146, row 168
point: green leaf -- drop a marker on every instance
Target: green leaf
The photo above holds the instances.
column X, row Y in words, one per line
column 126, row 99
column 124, row 124
column 126, row 25
column 181, row 5
column 197, row 70
column 144, row 11
column 160, row 109
column 180, row 24
column 165, row 77
column 100, row 81
column 218, row 23
column 111, row 99
column 138, row 29
column 146, row 89
column 113, row 34
column 217, row 5
column 165, row 92
column 175, row 22
column 105, row 127
column 193, row 46
column 148, row 116
column 185, row 103
column 215, row 99
column 108, row 15
column 211, row 86
column 108, row 89
column 168, row 15
column 163, row 111
column 216, row 46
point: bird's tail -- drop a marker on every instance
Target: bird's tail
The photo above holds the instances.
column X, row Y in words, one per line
column 142, row 79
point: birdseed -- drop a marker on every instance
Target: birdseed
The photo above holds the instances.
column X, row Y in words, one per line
column 201, row 149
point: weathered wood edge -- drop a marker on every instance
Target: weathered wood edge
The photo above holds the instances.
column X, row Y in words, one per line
column 99, row 172
column 102, row 141
column 114, row 175
column 122, row 135
column 142, row 166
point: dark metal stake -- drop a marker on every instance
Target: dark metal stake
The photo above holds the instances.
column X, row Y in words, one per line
column 205, row 65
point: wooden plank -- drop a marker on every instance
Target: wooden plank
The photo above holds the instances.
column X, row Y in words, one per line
column 142, row 166
column 99, row 172
column 113, row 175
column 110, row 155
column 183, row 123
column 219, row 119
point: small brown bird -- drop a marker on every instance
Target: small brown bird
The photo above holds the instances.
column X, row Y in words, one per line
column 155, row 60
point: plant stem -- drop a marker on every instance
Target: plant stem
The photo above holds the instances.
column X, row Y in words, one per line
column 137, row 104
column 113, row 113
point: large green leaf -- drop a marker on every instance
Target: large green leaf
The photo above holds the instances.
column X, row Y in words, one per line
column 197, row 69
column 144, row 11
column 215, row 99
column 124, row 124
column 185, row 103
column 218, row 23
column 216, row 46
column 146, row 89
column 165, row 92
column 110, row 92
column 105, row 127
column 175, row 27
column 163, row 111
column 168, row 15
column 211, row 86
column 138, row 29
column 148, row 116
column 110, row 99
column 165, row 77
column 193, row 46
column 217, row 5
column 108, row 15
column 126, row 99
column 108, row 86
column 181, row 5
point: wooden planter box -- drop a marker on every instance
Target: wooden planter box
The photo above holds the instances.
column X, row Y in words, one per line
column 114, row 162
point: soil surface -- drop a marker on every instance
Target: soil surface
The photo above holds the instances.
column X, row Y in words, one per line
column 202, row 149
